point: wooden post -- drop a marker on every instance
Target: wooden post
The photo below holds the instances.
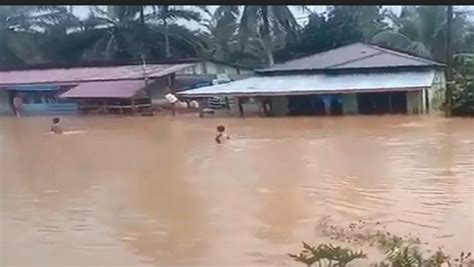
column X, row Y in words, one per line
column 227, row 103
column 267, row 107
column 327, row 105
column 261, row 108
column 390, row 103
column 134, row 108
column 173, row 108
column 241, row 108
column 202, row 105
column 104, row 107
column 171, row 78
column 427, row 101
column 449, row 61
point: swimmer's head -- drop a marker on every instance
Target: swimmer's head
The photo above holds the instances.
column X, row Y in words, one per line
column 56, row 120
column 220, row 128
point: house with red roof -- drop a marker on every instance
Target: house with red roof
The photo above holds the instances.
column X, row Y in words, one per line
column 66, row 89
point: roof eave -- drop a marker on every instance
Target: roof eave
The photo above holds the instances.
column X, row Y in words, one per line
column 75, row 82
column 335, row 70
column 288, row 93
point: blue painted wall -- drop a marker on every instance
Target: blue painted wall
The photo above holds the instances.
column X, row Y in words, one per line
column 38, row 100
column 46, row 109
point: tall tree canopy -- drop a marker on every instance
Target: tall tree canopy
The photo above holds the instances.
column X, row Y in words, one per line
column 339, row 25
column 254, row 35
column 422, row 30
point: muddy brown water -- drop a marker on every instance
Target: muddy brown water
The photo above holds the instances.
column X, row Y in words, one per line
column 158, row 191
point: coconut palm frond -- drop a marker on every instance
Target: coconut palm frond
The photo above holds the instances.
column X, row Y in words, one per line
column 189, row 15
column 401, row 42
column 391, row 38
column 248, row 22
column 226, row 12
column 419, row 49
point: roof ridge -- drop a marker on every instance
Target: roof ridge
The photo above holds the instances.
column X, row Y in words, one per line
column 92, row 67
column 317, row 54
column 353, row 60
column 405, row 55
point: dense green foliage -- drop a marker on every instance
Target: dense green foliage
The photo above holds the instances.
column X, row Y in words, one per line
column 463, row 94
column 396, row 251
column 255, row 36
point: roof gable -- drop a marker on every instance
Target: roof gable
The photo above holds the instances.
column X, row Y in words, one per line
column 357, row 55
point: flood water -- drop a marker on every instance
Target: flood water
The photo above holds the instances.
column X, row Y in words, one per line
column 158, row 191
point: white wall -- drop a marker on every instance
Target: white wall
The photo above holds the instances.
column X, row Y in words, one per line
column 436, row 94
column 207, row 67
column 414, row 102
column 251, row 107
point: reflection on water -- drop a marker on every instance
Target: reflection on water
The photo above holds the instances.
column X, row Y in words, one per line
column 159, row 192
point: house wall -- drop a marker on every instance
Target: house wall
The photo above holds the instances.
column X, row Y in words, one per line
column 349, row 104
column 436, row 94
column 4, row 102
column 207, row 67
column 43, row 104
column 251, row 107
column 414, row 102
column 280, row 105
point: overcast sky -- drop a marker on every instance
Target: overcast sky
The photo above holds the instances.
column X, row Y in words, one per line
column 83, row 11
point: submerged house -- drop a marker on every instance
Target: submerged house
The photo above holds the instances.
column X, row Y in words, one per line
column 105, row 88
column 353, row 79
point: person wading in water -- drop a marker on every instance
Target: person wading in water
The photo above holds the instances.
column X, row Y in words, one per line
column 221, row 134
column 56, row 127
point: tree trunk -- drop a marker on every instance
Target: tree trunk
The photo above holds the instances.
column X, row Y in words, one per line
column 269, row 55
column 167, row 41
column 142, row 15
column 449, row 61
column 166, row 35
column 142, row 35
column 267, row 39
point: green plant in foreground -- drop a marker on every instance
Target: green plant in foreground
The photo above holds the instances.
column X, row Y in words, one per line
column 404, row 256
column 398, row 251
column 326, row 255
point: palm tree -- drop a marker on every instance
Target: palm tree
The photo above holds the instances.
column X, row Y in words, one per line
column 220, row 37
column 421, row 30
column 120, row 27
column 21, row 30
column 117, row 29
column 221, row 40
column 166, row 15
column 267, row 24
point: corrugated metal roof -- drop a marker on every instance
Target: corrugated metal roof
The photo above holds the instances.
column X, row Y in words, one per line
column 112, row 89
column 188, row 81
column 317, row 83
column 77, row 75
column 358, row 55
column 34, row 87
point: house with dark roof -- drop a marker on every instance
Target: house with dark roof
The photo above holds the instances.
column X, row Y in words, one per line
column 353, row 79
column 65, row 89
